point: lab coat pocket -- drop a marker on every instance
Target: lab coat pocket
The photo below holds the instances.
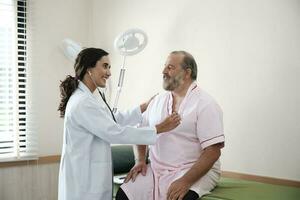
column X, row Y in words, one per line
column 98, row 177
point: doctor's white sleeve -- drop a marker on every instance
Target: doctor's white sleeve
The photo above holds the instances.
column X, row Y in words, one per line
column 92, row 117
column 129, row 117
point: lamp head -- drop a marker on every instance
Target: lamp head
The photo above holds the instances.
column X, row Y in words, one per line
column 131, row 42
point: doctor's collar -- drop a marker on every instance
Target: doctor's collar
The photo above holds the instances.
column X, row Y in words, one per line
column 84, row 88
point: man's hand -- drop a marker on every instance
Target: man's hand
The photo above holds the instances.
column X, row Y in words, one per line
column 178, row 189
column 140, row 167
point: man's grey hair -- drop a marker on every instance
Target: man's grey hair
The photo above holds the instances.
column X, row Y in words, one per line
column 188, row 62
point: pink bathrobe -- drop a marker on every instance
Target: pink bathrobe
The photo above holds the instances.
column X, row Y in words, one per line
column 175, row 152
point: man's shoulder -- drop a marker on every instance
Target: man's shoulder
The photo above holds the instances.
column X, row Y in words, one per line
column 161, row 97
column 202, row 97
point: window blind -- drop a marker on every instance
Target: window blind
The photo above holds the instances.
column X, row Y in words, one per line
column 16, row 141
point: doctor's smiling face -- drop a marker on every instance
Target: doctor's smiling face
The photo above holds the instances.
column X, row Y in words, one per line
column 101, row 72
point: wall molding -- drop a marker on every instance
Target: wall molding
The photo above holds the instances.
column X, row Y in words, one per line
column 226, row 174
column 262, row 179
column 40, row 160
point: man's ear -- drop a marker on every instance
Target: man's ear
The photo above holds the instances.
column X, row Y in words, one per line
column 189, row 72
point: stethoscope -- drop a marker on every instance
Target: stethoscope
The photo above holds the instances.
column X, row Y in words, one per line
column 103, row 97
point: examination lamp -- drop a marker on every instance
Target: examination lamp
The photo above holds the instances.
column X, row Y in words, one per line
column 70, row 48
column 128, row 43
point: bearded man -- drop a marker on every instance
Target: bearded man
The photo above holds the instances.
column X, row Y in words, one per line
column 184, row 164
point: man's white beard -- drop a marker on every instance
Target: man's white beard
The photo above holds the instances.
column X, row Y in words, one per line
column 172, row 83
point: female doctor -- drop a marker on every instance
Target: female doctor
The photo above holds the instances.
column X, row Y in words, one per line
column 90, row 127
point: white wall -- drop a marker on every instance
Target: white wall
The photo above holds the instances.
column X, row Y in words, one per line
column 248, row 57
column 51, row 22
column 247, row 52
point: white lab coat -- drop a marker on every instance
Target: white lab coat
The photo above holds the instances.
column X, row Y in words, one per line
column 85, row 167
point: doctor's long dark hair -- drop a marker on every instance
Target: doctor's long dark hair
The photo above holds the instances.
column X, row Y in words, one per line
column 86, row 59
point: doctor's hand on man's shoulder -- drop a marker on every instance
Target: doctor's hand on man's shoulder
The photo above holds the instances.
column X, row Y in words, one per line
column 144, row 106
column 169, row 123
